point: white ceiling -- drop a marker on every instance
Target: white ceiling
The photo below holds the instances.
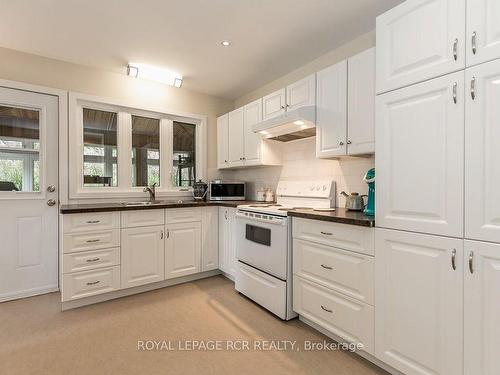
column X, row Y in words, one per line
column 270, row 37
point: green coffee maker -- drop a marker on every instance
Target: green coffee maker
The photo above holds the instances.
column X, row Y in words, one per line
column 370, row 180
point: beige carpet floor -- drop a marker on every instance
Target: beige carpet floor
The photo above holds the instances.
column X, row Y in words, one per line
column 37, row 338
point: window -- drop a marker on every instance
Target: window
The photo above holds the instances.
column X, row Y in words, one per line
column 19, row 149
column 145, row 151
column 100, row 153
column 184, row 154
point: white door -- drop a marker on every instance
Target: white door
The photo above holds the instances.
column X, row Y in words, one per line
column 183, row 249
column 223, row 239
column 482, row 308
column 419, row 302
column 236, row 138
column 420, row 157
column 301, row 93
column 331, row 111
column 142, row 255
column 273, row 104
column 483, row 31
column 28, row 193
column 253, row 141
column 419, row 40
column 210, row 238
column 482, row 153
column 361, row 103
column 223, row 141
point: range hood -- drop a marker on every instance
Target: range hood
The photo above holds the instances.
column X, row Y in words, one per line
column 292, row 125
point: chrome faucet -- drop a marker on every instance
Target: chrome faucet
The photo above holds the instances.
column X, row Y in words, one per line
column 152, row 192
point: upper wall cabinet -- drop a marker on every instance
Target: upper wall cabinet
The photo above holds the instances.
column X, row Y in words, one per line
column 419, row 40
column 252, row 114
column 420, row 157
column 223, row 141
column 236, row 138
column 483, row 31
column 299, row 94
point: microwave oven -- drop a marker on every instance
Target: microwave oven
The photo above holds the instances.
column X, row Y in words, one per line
column 226, row 190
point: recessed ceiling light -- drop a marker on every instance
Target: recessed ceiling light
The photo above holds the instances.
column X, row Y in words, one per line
column 225, row 43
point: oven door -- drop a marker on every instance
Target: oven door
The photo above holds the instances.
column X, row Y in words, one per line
column 262, row 242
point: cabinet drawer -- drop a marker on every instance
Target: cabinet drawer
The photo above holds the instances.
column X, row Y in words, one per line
column 73, row 223
column 89, row 260
column 344, row 271
column 182, row 215
column 74, row 242
column 142, row 218
column 343, row 236
column 90, row 283
column 345, row 317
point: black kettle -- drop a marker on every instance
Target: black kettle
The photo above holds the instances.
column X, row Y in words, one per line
column 200, row 190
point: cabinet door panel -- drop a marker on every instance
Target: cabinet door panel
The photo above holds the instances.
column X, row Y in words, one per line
column 483, row 31
column 419, row 303
column 210, row 238
column 416, row 42
column 301, row 93
column 183, row 249
column 419, row 157
column 236, row 138
column 482, row 309
column 273, row 104
column 222, row 141
column 142, row 256
column 253, row 141
column 331, row 111
column 482, row 154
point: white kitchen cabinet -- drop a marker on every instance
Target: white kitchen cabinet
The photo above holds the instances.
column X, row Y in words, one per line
column 227, row 240
column 361, row 103
column 331, row 111
column 274, row 104
column 420, row 157
column 223, row 141
column 419, row 302
column 482, row 308
column 142, row 256
column 236, row 138
column 209, row 238
column 482, row 153
column 182, row 249
column 252, row 114
column 301, row 93
column 419, row 40
column 483, row 31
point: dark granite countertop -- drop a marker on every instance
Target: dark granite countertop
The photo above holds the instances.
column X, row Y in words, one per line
column 106, row 207
column 340, row 215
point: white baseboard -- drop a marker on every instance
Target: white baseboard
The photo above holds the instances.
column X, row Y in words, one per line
column 28, row 293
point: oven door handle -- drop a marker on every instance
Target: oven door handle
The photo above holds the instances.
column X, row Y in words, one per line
column 278, row 221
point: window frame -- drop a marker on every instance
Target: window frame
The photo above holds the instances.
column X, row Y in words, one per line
column 125, row 110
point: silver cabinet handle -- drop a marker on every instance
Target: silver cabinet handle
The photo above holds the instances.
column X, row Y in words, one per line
column 471, row 262
column 327, row 267
column 93, row 282
column 455, row 86
column 161, row 235
column 341, row 143
column 282, row 107
column 474, row 42
column 349, row 142
column 168, row 233
column 327, row 310
column 326, row 233
column 93, row 221
column 473, row 88
column 51, row 202
column 93, row 260
column 93, row 241
column 455, row 49
column 453, row 259
column 225, row 214
column 51, row 188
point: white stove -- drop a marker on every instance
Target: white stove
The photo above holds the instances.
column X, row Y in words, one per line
column 263, row 243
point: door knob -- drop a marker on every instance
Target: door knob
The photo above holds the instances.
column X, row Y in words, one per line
column 51, row 188
column 51, row 202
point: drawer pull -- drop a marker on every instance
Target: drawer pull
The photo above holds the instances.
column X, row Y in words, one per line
column 93, row 260
column 93, row 282
column 327, row 267
column 327, row 310
column 326, row 233
column 93, row 241
column 93, row 221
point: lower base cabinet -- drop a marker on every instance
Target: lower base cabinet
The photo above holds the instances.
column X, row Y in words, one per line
column 183, row 249
column 419, row 303
column 209, row 239
column 142, row 255
column 482, row 308
column 227, row 240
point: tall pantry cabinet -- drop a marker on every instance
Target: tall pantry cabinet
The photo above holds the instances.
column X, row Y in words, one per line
column 438, row 173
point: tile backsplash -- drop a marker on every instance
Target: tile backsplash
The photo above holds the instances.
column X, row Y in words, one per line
column 300, row 163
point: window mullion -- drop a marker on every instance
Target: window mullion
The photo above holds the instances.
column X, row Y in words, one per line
column 166, row 151
column 124, row 151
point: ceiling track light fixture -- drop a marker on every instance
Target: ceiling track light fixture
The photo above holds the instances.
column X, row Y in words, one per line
column 151, row 73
